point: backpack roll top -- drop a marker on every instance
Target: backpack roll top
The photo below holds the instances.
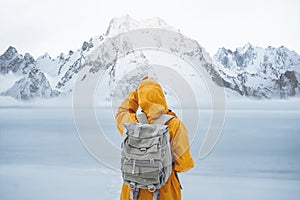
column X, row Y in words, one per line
column 139, row 130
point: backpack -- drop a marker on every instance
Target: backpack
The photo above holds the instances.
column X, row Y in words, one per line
column 146, row 159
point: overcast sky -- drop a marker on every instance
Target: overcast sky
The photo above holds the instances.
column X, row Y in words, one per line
column 55, row 26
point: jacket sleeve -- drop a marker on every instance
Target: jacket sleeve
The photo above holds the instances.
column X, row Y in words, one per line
column 127, row 110
column 183, row 160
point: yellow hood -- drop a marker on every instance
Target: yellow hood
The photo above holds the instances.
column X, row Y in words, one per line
column 151, row 99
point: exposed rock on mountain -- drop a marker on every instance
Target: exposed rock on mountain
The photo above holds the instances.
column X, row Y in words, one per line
column 12, row 61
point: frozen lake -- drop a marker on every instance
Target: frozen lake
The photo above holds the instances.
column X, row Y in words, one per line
column 257, row 157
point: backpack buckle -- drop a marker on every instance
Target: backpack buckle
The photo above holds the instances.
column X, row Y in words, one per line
column 132, row 185
column 151, row 188
column 143, row 149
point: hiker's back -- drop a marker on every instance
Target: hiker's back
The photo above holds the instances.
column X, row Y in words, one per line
column 150, row 98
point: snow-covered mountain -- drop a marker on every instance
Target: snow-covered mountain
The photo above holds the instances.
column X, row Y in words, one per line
column 12, row 61
column 33, row 85
column 251, row 71
column 258, row 72
column 55, row 72
column 61, row 72
column 29, row 76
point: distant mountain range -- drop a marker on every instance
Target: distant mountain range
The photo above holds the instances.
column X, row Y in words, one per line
column 258, row 72
column 250, row 71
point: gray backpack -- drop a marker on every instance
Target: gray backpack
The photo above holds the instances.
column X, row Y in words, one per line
column 146, row 160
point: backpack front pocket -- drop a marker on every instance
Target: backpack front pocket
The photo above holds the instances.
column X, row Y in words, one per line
column 142, row 172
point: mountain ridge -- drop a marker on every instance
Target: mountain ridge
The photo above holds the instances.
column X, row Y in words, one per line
column 250, row 71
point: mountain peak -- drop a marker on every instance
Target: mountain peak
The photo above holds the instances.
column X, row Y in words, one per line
column 28, row 57
column 86, row 46
column 248, row 47
column 10, row 52
column 126, row 23
column 12, row 61
column 44, row 56
column 117, row 25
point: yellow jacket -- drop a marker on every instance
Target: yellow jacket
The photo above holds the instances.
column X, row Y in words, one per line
column 150, row 97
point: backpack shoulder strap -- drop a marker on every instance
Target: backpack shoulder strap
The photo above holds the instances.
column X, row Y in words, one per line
column 163, row 119
column 142, row 118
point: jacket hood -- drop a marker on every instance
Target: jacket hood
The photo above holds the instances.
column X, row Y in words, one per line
column 151, row 99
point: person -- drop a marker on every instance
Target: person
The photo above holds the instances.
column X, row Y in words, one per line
column 150, row 97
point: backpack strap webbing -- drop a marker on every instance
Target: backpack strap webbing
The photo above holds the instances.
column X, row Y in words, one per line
column 134, row 191
column 163, row 119
column 136, row 194
column 142, row 118
column 156, row 194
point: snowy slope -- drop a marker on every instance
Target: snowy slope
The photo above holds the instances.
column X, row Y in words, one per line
column 48, row 65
